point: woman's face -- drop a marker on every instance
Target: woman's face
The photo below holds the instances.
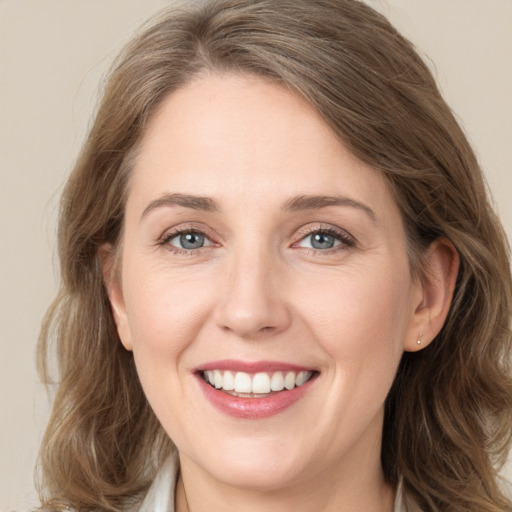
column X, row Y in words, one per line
column 258, row 252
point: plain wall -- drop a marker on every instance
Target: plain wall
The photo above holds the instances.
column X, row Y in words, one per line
column 53, row 54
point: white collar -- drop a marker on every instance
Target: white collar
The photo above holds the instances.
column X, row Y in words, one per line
column 160, row 496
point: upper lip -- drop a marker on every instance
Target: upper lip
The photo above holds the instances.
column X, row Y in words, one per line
column 251, row 366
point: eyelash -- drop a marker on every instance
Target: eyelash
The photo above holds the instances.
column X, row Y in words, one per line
column 346, row 240
column 167, row 237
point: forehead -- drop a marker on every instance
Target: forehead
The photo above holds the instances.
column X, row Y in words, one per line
column 238, row 135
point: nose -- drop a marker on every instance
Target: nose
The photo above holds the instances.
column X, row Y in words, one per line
column 253, row 303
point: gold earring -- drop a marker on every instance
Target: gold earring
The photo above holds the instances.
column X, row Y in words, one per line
column 419, row 338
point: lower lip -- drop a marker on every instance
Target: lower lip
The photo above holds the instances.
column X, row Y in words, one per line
column 253, row 408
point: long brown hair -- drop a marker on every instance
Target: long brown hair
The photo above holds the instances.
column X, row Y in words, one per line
column 448, row 420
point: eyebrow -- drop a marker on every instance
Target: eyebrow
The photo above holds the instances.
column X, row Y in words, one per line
column 206, row 204
column 294, row 204
column 317, row 202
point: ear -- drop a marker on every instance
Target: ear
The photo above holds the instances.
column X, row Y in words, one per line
column 433, row 296
column 113, row 285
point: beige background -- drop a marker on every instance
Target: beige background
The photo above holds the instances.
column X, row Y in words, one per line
column 53, row 54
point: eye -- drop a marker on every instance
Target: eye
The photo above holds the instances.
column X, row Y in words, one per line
column 319, row 240
column 188, row 240
column 325, row 239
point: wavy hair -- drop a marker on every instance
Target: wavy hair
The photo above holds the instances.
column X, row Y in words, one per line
column 448, row 421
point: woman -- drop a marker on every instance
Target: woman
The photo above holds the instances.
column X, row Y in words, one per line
column 277, row 252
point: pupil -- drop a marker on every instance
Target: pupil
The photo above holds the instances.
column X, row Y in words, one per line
column 322, row 241
column 192, row 240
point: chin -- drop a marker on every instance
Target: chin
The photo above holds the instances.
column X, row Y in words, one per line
column 251, row 466
column 257, row 477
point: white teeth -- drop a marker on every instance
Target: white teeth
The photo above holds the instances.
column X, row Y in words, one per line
column 302, row 378
column 277, row 382
column 289, row 380
column 217, row 378
column 260, row 383
column 229, row 381
column 243, row 383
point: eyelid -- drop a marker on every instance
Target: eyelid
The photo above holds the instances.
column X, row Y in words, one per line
column 180, row 229
column 179, row 234
column 345, row 238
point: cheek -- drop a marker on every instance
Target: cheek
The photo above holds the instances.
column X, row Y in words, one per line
column 165, row 315
column 163, row 307
column 360, row 323
column 360, row 317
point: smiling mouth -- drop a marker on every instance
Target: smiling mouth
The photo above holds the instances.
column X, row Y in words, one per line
column 255, row 385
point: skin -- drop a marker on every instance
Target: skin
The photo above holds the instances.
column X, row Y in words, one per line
column 258, row 291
